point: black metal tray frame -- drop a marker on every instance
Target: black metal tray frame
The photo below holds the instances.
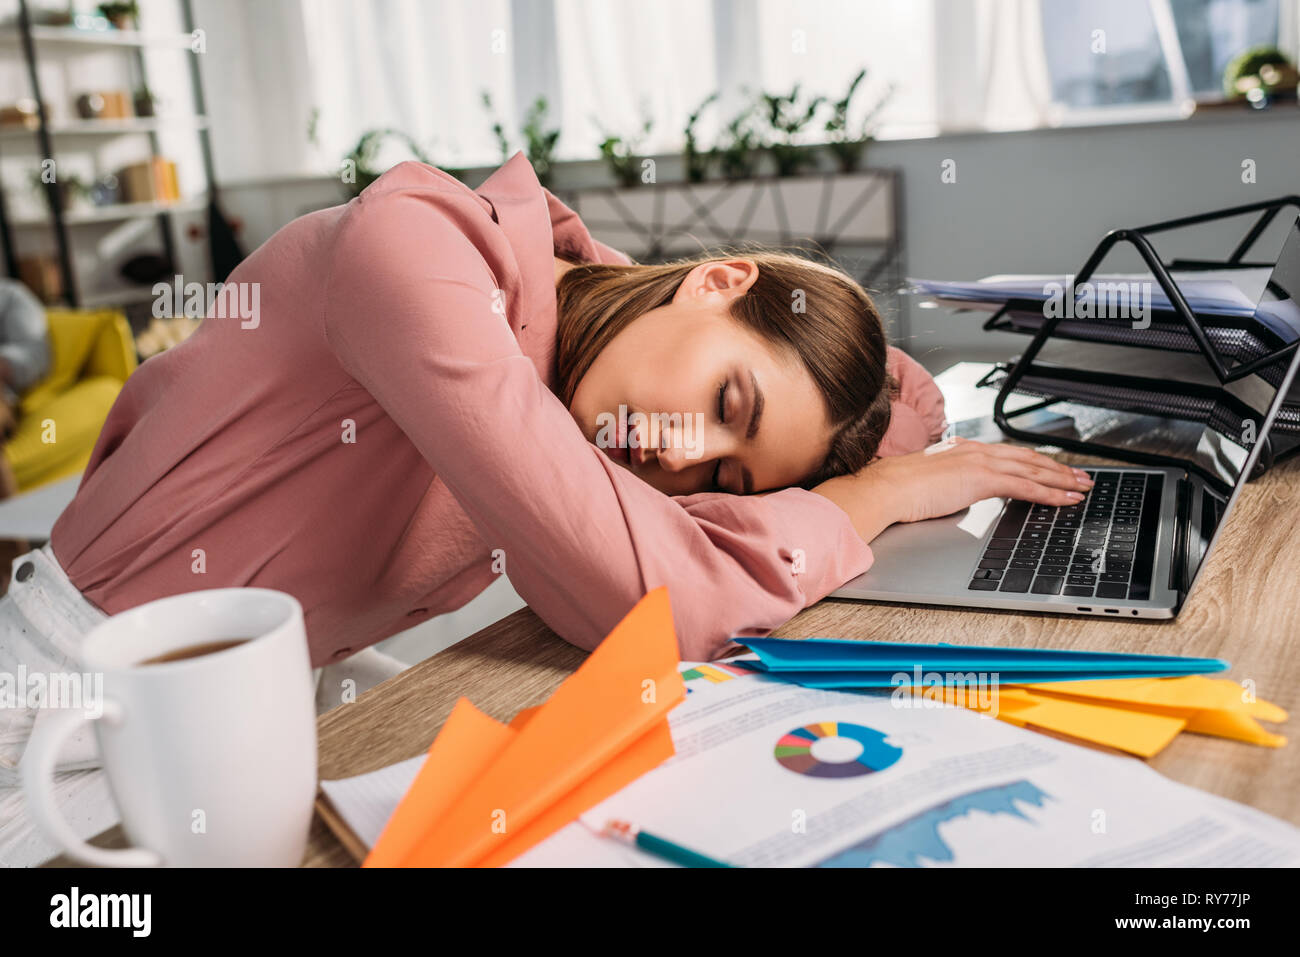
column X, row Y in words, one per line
column 1138, row 238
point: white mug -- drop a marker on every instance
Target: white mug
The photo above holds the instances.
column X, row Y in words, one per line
column 211, row 759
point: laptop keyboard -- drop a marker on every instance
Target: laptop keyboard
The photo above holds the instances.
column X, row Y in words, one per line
column 1102, row 547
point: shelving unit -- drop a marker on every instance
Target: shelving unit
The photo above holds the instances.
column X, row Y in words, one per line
column 117, row 211
column 92, row 128
column 33, row 42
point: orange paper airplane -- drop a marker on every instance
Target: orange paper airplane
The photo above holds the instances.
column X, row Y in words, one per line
column 487, row 791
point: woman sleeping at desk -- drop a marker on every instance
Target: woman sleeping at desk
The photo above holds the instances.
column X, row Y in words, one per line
column 442, row 385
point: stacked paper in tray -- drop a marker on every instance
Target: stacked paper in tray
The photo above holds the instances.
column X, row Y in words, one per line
column 1212, row 294
column 1134, row 703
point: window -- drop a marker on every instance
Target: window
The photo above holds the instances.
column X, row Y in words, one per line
column 1109, row 53
column 1104, row 53
column 1212, row 32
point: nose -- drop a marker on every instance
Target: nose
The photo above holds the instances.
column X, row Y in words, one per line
column 644, row 438
column 690, row 447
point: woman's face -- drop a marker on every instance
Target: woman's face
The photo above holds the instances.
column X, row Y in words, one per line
column 689, row 400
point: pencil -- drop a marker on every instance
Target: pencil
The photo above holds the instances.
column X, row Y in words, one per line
column 659, row 846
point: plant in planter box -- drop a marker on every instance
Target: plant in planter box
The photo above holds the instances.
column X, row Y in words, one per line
column 695, row 161
column 539, row 142
column 364, row 156
column 788, row 116
column 499, row 131
column 847, row 144
column 620, row 153
column 737, row 149
column 121, row 13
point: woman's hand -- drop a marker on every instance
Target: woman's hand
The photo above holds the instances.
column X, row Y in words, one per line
column 948, row 477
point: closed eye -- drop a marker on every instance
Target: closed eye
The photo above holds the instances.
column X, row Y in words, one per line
column 722, row 417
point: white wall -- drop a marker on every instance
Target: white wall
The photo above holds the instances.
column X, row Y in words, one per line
column 1039, row 201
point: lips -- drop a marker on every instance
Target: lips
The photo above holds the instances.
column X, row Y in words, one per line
column 619, row 452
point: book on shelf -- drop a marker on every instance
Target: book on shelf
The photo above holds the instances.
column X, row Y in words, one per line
column 150, row 181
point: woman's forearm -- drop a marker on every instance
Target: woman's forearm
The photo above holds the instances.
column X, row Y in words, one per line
column 870, row 504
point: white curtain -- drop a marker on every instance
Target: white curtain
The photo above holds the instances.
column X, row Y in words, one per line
column 991, row 69
column 415, row 66
column 257, row 85
column 821, row 44
column 624, row 61
column 292, row 84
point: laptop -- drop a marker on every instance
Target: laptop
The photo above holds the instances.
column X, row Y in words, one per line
column 1134, row 545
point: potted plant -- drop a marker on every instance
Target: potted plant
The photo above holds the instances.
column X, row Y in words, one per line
column 737, row 147
column 1259, row 75
column 503, row 142
column 74, row 192
column 539, row 142
column 679, row 218
column 144, row 102
column 123, row 14
column 695, row 161
column 787, row 117
column 847, row 144
column 620, row 153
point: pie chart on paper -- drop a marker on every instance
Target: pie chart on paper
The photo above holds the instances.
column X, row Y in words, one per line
column 862, row 750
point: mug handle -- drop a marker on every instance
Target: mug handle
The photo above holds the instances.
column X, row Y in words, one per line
column 38, row 763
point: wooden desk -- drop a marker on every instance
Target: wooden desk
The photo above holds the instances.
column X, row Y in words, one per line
column 1243, row 609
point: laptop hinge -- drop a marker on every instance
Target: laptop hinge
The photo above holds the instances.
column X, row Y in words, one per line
column 1182, row 526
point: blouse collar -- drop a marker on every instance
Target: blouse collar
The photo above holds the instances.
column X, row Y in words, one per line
column 537, row 224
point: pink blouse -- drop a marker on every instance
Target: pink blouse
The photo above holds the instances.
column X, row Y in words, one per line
column 381, row 440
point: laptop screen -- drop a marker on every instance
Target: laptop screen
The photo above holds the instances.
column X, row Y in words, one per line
column 1237, row 422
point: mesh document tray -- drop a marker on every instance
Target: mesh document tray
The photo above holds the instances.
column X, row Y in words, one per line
column 1221, row 413
column 1230, row 351
column 1167, row 333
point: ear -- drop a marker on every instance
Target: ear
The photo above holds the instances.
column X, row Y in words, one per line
column 727, row 278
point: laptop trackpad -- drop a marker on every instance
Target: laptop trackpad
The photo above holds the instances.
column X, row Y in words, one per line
column 936, row 555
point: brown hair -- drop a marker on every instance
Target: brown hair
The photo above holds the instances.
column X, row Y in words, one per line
column 838, row 335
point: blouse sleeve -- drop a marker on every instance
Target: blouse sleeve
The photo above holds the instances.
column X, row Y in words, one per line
column 917, row 416
column 409, row 313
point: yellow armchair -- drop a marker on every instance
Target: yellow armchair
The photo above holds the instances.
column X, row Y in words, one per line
column 92, row 352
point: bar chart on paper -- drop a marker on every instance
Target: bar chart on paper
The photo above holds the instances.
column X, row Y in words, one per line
column 713, row 673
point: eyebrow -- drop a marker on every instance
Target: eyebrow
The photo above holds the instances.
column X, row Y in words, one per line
column 755, row 418
column 756, row 414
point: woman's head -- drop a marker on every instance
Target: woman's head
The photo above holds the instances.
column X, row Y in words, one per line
column 741, row 374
